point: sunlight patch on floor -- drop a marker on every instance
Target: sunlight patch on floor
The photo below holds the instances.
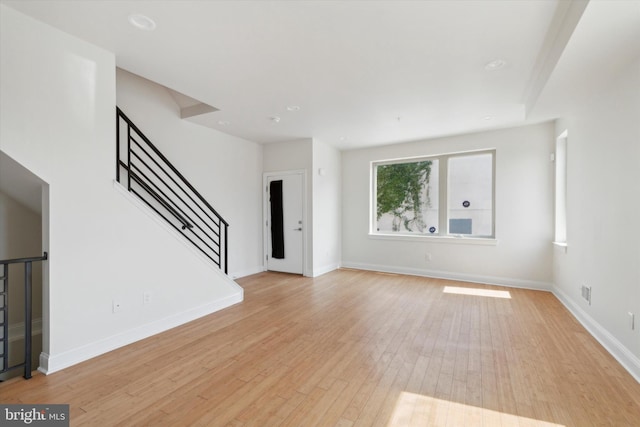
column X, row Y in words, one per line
column 478, row 292
column 418, row 410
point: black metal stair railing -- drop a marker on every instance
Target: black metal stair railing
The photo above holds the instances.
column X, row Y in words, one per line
column 148, row 174
column 28, row 313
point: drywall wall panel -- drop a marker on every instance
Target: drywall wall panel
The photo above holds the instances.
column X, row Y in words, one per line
column 327, row 204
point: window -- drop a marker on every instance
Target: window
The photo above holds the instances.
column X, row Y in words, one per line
column 561, row 189
column 446, row 195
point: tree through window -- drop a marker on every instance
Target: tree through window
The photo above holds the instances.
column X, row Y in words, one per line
column 408, row 195
column 403, row 195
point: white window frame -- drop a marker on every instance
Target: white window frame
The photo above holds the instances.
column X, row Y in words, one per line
column 443, row 202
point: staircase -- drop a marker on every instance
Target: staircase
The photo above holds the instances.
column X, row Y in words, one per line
column 144, row 171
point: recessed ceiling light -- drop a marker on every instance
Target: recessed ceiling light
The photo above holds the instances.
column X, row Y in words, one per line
column 223, row 123
column 142, row 22
column 495, row 65
column 488, row 118
column 293, row 108
column 275, row 119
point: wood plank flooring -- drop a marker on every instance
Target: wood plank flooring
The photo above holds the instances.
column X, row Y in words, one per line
column 354, row 348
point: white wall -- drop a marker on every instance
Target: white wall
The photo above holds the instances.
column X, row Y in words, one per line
column 226, row 170
column 524, row 217
column 327, row 181
column 57, row 109
column 603, row 205
column 290, row 155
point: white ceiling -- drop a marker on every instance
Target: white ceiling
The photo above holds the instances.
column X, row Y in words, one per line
column 362, row 72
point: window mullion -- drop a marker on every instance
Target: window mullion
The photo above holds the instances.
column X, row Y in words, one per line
column 493, row 194
column 373, row 218
column 443, row 211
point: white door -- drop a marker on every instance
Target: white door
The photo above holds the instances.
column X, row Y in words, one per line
column 285, row 239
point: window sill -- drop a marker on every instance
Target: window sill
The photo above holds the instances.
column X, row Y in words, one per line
column 485, row 241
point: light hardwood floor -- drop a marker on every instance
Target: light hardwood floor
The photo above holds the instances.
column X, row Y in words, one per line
column 354, row 348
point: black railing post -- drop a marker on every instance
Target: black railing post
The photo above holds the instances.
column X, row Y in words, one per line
column 5, row 316
column 28, row 318
column 226, row 248
column 117, row 144
column 128, row 158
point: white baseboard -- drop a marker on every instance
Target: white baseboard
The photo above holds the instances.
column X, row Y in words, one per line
column 324, row 270
column 53, row 363
column 438, row 274
column 621, row 353
column 247, row 272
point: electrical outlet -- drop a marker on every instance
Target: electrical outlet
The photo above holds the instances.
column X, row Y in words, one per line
column 116, row 305
column 632, row 323
column 428, row 256
column 146, row 297
column 586, row 293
